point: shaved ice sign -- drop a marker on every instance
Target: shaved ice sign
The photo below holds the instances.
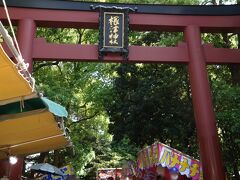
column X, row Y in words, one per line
column 161, row 154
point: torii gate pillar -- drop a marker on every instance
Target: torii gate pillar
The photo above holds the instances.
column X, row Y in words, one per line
column 25, row 35
column 203, row 107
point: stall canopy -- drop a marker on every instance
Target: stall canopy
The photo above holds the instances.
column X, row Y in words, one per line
column 15, row 84
column 35, row 128
column 28, row 123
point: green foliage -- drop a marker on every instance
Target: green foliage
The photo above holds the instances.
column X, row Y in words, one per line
column 110, row 154
column 226, row 98
column 152, row 102
column 225, row 85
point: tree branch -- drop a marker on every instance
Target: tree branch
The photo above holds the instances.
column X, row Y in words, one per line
column 87, row 118
column 45, row 64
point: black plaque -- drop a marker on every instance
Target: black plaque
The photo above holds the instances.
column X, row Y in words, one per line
column 113, row 31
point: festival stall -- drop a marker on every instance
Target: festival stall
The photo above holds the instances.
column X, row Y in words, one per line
column 162, row 160
column 29, row 123
column 37, row 127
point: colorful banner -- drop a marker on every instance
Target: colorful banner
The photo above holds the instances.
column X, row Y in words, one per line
column 161, row 154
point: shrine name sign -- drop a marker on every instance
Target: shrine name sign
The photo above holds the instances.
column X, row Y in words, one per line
column 113, row 31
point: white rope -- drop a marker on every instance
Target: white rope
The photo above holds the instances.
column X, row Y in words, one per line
column 21, row 65
column 11, row 27
column 9, row 41
column 14, row 47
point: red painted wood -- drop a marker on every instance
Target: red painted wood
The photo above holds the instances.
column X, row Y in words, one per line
column 4, row 168
column 50, row 51
column 25, row 35
column 177, row 23
column 54, row 18
column 85, row 19
column 220, row 55
column 203, row 108
column 89, row 53
column 14, row 172
column 141, row 54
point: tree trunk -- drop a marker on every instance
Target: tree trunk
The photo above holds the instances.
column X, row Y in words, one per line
column 56, row 158
column 235, row 73
column 235, row 68
column 236, row 172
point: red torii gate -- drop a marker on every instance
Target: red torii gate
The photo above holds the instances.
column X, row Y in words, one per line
column 191, row 20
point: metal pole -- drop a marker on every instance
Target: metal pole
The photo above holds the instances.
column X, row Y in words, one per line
column 203, row 107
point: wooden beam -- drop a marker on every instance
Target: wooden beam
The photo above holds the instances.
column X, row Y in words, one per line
column 221, row 55
column 137, row 54
column 87, row 19
column 67, row 5
column 89, row 53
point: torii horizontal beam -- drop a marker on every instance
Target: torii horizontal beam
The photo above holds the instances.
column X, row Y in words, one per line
column 68, row 5
column 138, row 22
column 173, row 18
column 137, row 54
